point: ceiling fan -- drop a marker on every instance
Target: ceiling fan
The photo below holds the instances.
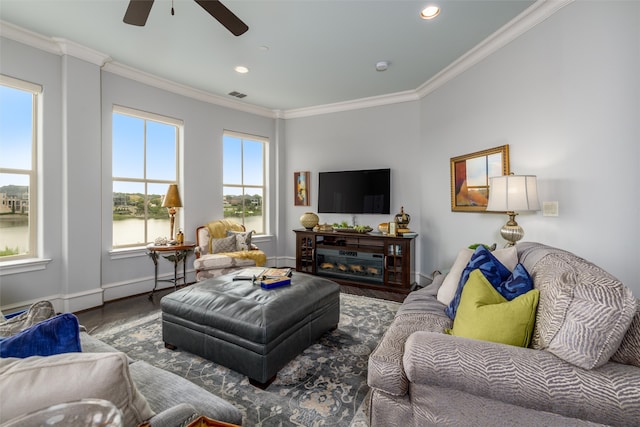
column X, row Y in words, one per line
column 138, row 12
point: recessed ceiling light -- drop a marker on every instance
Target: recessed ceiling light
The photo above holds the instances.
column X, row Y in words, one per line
column 241, row 69
column 382, row 66
column 430, row 12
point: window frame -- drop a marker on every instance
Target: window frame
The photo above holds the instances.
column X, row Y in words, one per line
column 153, row 117
column 264, row 187
column 33, row 173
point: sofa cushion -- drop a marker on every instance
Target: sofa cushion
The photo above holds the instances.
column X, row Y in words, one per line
column 494, row 270
column 583, row 313
column 508, row 257
column 36, row 313
column 629, row 350
column 68, row 377
column 59, row 334
column 486, row 315
column 518, row 283
column 225, row 244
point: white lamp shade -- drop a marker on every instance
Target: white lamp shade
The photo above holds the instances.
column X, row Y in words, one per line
column 511, row 193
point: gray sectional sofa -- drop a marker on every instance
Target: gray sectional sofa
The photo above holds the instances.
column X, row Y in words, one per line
column 582, row 367
column 141, row 391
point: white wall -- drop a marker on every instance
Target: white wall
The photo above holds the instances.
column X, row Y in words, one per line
column 566, row 98
column 129, row 272
column 75, row 181
column 371, row 138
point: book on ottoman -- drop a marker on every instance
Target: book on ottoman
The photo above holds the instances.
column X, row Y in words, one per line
column 275, row 283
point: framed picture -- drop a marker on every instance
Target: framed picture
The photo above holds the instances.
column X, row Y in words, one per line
column 301, row 188
column 470, row 177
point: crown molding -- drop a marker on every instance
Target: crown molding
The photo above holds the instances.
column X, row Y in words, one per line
column 61, row 46
column 30, row 38
column 180, row 89
column 71, row 48
column 528, row 19
column 356, row 104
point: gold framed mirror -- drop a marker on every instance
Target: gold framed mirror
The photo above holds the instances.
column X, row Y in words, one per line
column 470, row 175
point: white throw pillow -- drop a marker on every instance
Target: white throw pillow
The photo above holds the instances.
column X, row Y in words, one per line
column 507, row 256
column 37, row 382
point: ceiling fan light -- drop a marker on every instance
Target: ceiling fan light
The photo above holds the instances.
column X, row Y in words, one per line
column 430, row 12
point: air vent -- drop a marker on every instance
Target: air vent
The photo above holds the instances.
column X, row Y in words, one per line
column 237, row 94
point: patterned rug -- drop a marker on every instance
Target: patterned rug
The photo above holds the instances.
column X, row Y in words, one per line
column 326, row 385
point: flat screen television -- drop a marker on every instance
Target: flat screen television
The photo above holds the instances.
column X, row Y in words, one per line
column 355, row 192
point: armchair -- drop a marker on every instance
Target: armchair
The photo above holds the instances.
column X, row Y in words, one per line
column 223, row 246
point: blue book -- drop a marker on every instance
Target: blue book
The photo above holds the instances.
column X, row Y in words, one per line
column 275, row 283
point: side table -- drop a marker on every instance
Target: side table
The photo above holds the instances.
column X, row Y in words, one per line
column 176, row 254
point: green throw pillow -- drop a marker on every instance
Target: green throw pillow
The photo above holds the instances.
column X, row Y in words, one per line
column 484, row 314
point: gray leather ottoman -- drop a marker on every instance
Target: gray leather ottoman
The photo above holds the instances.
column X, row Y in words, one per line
column 249, row 329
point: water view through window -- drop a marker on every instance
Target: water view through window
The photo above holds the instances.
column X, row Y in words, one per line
column 145, row 162
column 17, row 168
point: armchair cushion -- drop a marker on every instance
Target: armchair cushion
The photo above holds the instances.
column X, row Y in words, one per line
column 243, row 239
column 224, row 244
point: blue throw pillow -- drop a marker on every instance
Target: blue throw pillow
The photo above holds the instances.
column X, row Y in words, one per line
column 59, row 334
column 518, row 283
column 483, row 260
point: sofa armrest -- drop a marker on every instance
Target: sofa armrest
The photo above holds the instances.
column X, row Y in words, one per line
column 525, row 377
column 178, row 415
column 386, row 372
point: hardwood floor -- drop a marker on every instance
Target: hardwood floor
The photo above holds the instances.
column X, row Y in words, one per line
column 137, row 306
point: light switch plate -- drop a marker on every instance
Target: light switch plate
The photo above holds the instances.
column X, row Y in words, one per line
column 549, row 208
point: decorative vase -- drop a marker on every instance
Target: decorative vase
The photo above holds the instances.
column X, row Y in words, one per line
column 403, row 219
column 309, row 220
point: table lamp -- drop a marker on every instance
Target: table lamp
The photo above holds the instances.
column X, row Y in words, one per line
column 511, row 193
column 171, row 202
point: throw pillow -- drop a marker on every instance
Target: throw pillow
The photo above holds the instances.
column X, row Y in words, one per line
column 59, row 334
column 629, row 351
column 484, row 314
column 491, row 268
column 518, row 283
column 584, row 312
column 243, row 239
column 225, row 244
column 39, row 382
column 507, row 256
column 36, row 313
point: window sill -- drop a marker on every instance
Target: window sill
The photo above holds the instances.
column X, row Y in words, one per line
column 23, row 266
column 128, row 252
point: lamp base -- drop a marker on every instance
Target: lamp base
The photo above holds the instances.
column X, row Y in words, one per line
column 511, row 231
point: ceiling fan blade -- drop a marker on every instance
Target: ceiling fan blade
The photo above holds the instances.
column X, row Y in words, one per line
column 224, row 16
column 138, row 12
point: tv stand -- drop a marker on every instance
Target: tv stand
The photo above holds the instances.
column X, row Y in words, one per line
column 373, row 261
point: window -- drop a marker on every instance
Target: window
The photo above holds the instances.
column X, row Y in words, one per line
column 244, row 180
column 19, row 106
column 144, row 163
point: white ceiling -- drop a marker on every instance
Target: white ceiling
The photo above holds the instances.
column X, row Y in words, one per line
column 300, row 53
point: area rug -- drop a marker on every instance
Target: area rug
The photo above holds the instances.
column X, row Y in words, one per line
column 325, row 385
